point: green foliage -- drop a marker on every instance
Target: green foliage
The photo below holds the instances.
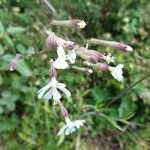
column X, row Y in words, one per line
column 23, row 69
column 15, row 30
column 127, row 108
column 115, row 118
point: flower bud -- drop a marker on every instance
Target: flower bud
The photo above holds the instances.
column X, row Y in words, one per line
column 83, row 69
column 64, row 111
column 91, row 56
column 52, row 72
column 100, row 66
column 73, row 23
column 13, row 64
column 78, row 23
column 112, row 44
column 69, row 45
column 53, row 41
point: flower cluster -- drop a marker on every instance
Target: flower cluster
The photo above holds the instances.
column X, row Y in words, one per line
column 63, row 47
column 67, row 52
column 95, row 60
column 50, row 91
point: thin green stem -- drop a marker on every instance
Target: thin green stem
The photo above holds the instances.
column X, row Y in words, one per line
column 123, row 92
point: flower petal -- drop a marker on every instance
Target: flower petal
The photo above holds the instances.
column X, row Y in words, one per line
column 60, row 63
column 43, row 90
column 65, row 91
column 117, row 72
column 61, row 85
column 69, row 130
column 56, row 94
column 61, row 52
column 61, row 131
column 48, row 95
column 78, row 123
column 71, row 56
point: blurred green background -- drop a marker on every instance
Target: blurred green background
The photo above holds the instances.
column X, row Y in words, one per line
column 117, row 114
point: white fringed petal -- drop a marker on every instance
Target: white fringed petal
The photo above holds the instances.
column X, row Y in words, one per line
column 70, row 126
column 48, row 95
column 61, row 52
column 71, row 56
column 61, row 85
column 43, row 90
column 108, row 58
column 60, row 63
column 70, row 130
column 56, row 95
column 65, row 91
column 78, row 123
column 117, row 72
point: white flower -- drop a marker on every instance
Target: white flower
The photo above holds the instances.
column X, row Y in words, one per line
column 70, row 126
column 71, row 56
column 50, row 90
column 117, row 72
column 60, row 62
column 109, row 58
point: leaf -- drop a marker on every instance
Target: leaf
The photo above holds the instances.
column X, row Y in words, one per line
column 145, row 96
column 6, row 94
column 1, row 80
column 2, row 29
column 1, row 110
column 127, row 107
column 5, row 60
column 99, row 94
column 7, row 57
column 4, row 66
column 22, row 68
column 1, row 50
column 61, row 140
column 8, row 124
column 112, row 121
column 15, row 30
column 9, row 41
column 21, row 48
column 8, row 99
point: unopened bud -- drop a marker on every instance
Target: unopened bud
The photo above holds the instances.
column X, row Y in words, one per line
column 83, row 69
column 78, row 23
column 64, row 111
column 69, row 45
column 100, row 66
column 91, row 56
column 112, row 44
column 13, row 64
column 73, row 23
column 52, row 72
column 53, row 41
